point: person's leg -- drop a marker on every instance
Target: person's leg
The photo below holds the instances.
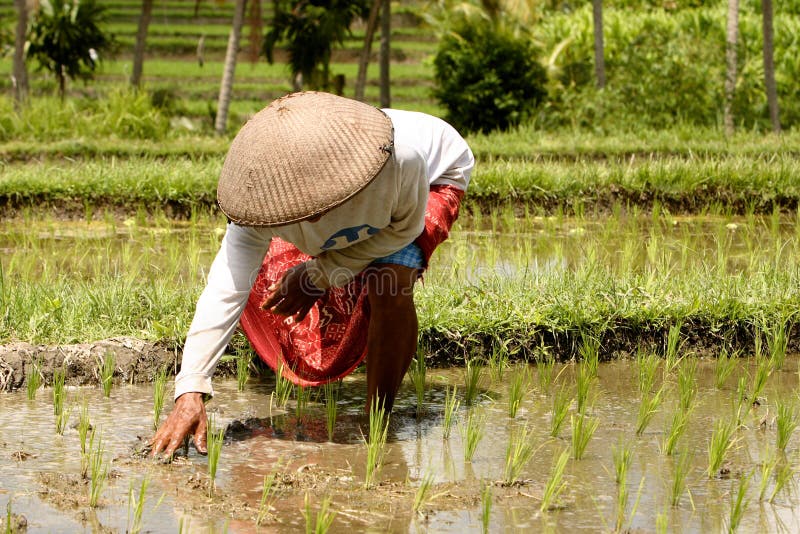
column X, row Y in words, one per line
column 392, row 336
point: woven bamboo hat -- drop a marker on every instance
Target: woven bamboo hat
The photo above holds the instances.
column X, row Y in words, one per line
column 301, row 156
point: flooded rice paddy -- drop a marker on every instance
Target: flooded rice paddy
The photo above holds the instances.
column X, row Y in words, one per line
column 40, row 471
column 656, row 419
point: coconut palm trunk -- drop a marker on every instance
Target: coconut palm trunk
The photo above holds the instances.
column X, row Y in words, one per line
column 141, row 40
column 226, row 87
column 386, row 34
column 599, row 49
column 20, row 69
column 363, row 61
column 731, row 38
column 769, row 65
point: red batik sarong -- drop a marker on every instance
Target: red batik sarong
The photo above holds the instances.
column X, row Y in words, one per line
column 331, row 341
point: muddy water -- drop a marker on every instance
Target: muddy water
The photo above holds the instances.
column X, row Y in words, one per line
column 39, row 470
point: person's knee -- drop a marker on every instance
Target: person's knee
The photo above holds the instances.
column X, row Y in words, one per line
column 390, row 287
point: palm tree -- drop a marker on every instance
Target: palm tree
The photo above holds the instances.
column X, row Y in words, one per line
column 363, row 62
column 386, row 34
column 310, row 28
column 599, row 56
column 226, row 86
column 141, row 38
column 731, row 38
column 769, row 66
column 20, row 69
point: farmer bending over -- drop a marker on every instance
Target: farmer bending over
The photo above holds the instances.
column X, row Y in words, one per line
column 335, row 208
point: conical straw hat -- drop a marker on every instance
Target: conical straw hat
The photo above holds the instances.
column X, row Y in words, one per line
column 301, row 156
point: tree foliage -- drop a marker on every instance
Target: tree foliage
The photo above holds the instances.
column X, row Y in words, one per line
column 310, row 29
column 487, row 78
column 66, row 38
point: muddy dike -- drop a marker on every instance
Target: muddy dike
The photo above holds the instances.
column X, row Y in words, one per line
column 137, row 361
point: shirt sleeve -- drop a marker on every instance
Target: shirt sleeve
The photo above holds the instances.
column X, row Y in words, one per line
column 339, row 267
column 230, row 279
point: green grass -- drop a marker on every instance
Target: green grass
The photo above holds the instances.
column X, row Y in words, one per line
column 320, row 522
column 676, row 428
column 739, row 502
column 422, row 495
column 648, row 407
column 561, row 401
column 98, row 469
column 517, row 389
column 786, row 421
column 243, row 359
column 331, row 407
column 680, row 471
column 136, row 506
column 486, row 507
column 268, row 496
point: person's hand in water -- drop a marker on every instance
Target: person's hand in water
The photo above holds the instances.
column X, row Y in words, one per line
column 188, row 416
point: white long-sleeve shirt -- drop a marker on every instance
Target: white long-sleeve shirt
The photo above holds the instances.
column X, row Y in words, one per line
column 383, row 218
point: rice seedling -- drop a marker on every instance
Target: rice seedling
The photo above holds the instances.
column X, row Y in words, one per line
column 673, row 347
column 498, row 360
column 486, row 507
column 648, row 407
column 583, row 381
column 555, row 484
column 98, row 469
column 739, row 503
column 675, row 429
column 159, row 393
column 786, row 422
column 680, row 472
column 472, row 433
column 741, row 405
column 517, row 388
column 519, row 452
column 283, row 387
column 320, row 522
column 34, row 378
column 376, row 445
column 302, row 396
column 243, row 360
column 662, row 523
column 561, row 402
column 687, row 385
column 106, row 371
column 622, row 455
column 647, row 367
column 215, row 437
column 777, row 341
column 417, row 372
column 136, row 506
column 726, row 363
column 473, row 369
column 783, row 476
column 719, row 445
column 84, row 426
column 583, row 428
column 767, row 469
column 590, row 353
column 451, row 404
column 268, row 495
column 422, row 494
column 331, row 407
column 62, row 420
column 545, row 369
column 59, row 394
column 763, row 372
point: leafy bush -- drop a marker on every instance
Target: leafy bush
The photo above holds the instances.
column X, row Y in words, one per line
column 487, row 78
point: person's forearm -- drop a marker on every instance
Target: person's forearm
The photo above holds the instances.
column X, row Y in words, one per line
column 230, row 279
